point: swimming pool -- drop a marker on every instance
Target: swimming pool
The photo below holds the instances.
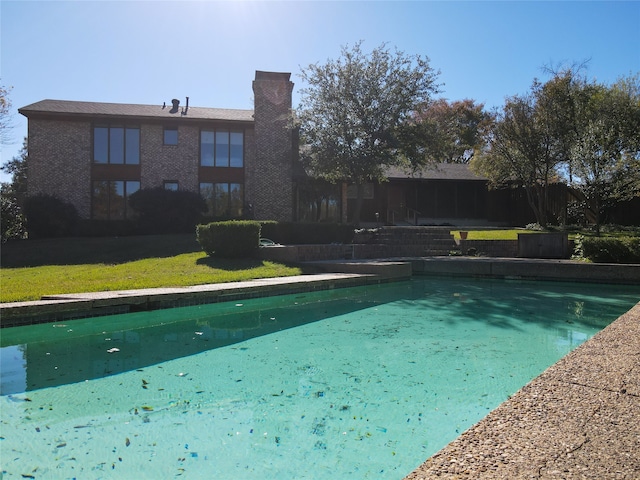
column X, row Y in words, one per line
column 363, row 382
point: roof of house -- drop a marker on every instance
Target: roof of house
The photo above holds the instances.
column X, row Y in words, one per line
column 99, row 109
column 441, row 171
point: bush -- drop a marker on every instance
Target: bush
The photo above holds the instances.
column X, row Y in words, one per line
column 11, row 219
column 535, row 227
column 307, row 233
column 48, row 216
column 167, row 211
column 230, row 239
column 611, row 250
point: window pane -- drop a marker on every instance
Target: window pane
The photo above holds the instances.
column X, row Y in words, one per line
column 222, row 148
column 221, row 202
column 171, row 186
column 100, row 145
column 170, row 136
column 206, row 149
column 131, row 187
column 100, row 200
column 206, row 192
column 236, row 150
column 133, row 146
column 116, row 202
column 236, row 200
column 116, row 145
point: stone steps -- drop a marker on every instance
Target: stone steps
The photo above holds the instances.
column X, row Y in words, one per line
column 409, row 241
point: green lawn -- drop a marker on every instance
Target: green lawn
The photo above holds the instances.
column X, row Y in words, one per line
column 495, row 234
column 33, row 268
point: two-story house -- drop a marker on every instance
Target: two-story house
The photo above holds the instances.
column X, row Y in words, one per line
column 95, row 155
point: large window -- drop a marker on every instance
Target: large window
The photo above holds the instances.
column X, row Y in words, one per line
column 221, row 148
column 110, row 199
column 223, row 199
column 116, row 145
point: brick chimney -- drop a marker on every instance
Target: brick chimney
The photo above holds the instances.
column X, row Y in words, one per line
column 270, row 182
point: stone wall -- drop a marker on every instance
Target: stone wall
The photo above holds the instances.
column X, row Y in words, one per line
column 489, row 248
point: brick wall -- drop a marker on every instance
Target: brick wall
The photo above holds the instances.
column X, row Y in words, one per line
column 269, row 178
column 161, row 162
column 60, row 161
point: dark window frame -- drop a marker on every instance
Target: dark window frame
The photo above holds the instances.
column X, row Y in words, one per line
column 111, row 200
column 216, row 163
column 134, row 156
column 219, row 210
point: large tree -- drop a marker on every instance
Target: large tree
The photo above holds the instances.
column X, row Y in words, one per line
column 13, row 195
column 354, row 113
column 17, row 168
column 520, row 148
column 582, row 132
column 452, row 131
column 605, row 151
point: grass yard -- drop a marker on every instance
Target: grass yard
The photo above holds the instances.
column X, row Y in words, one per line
column 31, row 269
column 495, row 234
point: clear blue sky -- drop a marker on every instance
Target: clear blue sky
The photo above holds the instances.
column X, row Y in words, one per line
column 149, row 52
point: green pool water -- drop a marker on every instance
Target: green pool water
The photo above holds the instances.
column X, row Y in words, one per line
column 352, row 383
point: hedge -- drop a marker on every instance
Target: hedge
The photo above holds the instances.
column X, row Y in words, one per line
column 230, row 239
column 49, row 216
column 611, row 250
column 167, row 211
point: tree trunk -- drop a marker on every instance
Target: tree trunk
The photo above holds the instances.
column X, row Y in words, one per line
column 534, row 205
column 541, row 194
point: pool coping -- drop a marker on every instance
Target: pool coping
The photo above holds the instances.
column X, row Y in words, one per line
column 576, row 420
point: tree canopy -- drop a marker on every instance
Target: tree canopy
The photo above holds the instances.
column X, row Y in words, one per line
column 452, row 131
column 355, row 111
column 5, row 115
column 582, row 132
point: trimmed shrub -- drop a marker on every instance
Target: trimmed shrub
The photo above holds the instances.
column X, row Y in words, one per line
column 230, row 239
column 167, row 211
column 611, row 250
column 48, row 216
column 279, row 232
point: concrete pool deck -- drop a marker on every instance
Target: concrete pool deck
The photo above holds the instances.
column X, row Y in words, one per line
column 578, row 419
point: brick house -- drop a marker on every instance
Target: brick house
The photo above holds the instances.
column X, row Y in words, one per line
column 95, row 155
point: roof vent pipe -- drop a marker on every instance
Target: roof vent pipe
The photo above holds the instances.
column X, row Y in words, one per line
column 186, row 108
